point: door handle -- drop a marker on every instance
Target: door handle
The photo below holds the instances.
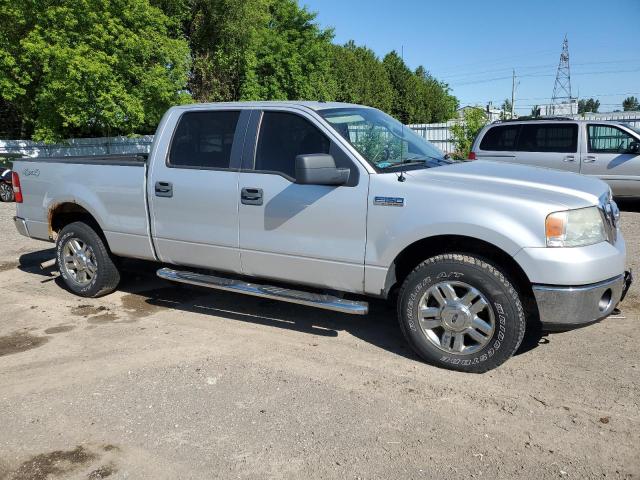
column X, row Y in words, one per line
column 570, row 158
column 590, row 159
column 164, row 189
column 251, row 196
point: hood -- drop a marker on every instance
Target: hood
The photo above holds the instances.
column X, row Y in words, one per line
column 563, row 188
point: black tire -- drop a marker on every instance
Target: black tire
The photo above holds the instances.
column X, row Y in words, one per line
column 503, row 307
column 106, row 277
column 6, row 192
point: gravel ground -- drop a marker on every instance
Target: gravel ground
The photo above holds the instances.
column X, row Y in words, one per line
column 156, row 381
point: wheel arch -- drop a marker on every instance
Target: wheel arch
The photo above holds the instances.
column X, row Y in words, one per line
column 64, row 213
column 420, row 250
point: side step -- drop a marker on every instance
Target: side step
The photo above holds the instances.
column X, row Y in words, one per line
column 327, row 302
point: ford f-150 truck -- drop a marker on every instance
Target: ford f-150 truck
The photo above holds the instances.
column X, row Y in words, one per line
column 323, row 204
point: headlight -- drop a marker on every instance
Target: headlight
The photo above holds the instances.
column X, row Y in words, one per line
column 575, row 228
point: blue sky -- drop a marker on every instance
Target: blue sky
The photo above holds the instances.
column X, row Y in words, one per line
column 473, row 44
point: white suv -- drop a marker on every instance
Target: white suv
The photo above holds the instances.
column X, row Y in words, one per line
column 607, row 150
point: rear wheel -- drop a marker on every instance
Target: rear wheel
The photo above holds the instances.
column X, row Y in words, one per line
column 460, row 312
column 6, row 192
column 84, row 261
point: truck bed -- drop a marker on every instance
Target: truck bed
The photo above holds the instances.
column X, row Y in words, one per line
column 111, row 188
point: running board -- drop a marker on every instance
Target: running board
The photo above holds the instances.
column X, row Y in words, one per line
column 327, row 302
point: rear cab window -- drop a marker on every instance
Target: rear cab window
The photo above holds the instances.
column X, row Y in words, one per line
column 203, row 140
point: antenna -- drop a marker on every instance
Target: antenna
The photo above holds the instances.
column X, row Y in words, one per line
column 401, row 177
column 562, row 88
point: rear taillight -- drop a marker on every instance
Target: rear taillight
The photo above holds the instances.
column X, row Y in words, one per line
column 472, row 156
column 17, row 191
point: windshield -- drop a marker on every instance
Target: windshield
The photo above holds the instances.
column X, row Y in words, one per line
column 382, row 140
column 632, row 127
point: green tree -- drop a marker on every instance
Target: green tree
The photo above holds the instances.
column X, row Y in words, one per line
column 465, row 131
column 223, row 38
column 630, row 104
column 291, row 57
column 404, row 88
column 436, row 104
column 90, row 67
column 506, row 109
column 535, row 111
column 361, row 77
column 590, row 105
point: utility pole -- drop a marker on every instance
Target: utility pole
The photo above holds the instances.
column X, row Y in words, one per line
column 513, row 92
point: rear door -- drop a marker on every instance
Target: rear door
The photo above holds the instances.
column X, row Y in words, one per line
column 609, row 157
column 499, row 143
column 193, row 190
column 550, row 145
column 307, row 234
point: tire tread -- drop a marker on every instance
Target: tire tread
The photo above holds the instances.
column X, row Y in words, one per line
column 484, row 265
column 109, row 276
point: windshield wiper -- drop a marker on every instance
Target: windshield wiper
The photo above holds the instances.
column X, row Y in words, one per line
column 425, row 160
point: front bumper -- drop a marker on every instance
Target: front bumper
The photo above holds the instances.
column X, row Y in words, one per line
column 563, row 307
column 21, row 226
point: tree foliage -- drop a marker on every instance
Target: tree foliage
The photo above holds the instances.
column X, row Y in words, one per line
column 465, row 131
column 630, row 104
column 89, row 67
column 506, row 109
column 105, row 67
column 361, row 78
column 588, row 106
column 292, row 57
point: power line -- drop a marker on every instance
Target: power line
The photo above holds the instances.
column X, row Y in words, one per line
column 501, row 60
column 592, row 95
column 522, row 67
column 485, row 80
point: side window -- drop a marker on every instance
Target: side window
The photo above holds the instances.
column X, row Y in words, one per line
column 284, row 136
column 501, row 138
column 203, row 140
column 549, row 137
column 608, row 139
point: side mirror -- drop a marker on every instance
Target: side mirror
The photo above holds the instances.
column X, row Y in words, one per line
column 319, row 169
column 634, row 147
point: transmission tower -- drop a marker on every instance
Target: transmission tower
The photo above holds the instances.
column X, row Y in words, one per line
column 562, row 87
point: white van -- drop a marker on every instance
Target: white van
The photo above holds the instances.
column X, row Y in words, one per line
column 607, row 150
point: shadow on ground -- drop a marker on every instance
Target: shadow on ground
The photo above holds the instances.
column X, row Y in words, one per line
column 147, row 294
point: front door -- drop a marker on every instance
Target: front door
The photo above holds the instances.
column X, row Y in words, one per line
column 307, row 234
column 608, row 156
column 194, row 193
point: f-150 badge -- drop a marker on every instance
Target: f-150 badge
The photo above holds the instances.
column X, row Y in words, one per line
column 389, row 201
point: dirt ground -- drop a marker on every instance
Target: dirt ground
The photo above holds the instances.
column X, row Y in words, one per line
column 156, row 381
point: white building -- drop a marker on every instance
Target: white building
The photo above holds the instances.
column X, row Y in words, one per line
column 560, row 109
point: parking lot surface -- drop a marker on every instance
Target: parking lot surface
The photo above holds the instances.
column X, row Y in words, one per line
column 157, row 381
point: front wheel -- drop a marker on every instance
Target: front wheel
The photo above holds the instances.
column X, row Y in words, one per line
column 84, row 261
column 460, row 312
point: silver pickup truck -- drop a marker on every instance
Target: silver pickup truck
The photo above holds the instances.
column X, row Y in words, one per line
column 324, row 204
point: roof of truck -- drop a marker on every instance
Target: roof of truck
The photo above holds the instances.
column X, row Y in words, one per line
column 313, row 105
